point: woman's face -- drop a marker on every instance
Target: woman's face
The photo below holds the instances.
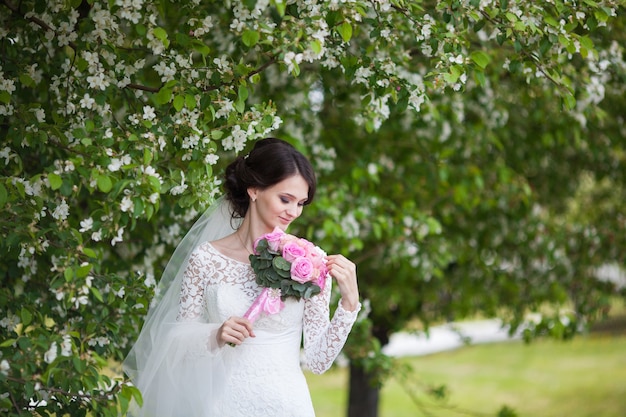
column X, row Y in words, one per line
column 280, row 204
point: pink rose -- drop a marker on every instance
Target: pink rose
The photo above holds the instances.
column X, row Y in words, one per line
column 302, row 270
column 292, row 251
column 321, row 279
column 316, row 255
column 274, row 239
column 286, row 238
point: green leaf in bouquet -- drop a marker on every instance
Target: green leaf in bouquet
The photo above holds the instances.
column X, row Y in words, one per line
column 262, row 246
column 286, row 274
column 272, row 276
column 311, row 291
column 281, row 263
column 260, row 264
column 266, row 254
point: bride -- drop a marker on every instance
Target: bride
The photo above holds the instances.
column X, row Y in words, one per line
column 197, row 355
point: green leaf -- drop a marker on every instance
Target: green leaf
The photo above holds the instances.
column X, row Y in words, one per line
column 161, row 34
column 3, row 195
column 242, row 93
column 147, row 157
column 480, row 58
column 250, row 37
column 55, row 181
column 140, row 29
column 5, row 97
column 7, row 343
column 345, row 30
column 201, row 48
column 178, row 103
column 240, row 106
column 138, row 207
column 280, row 6
column 315, row 46
column 105, row 184
column 190, row 101
column 163, row 96
column 569, row 100
column 26, row 80
column 68, row 274
column 96, row 293
column 83, row 271
column 281, row 263
column 26, row 316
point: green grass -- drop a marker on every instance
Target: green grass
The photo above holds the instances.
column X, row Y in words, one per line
column 585, row 377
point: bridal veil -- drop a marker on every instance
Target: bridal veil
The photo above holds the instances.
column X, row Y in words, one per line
column 163, row 362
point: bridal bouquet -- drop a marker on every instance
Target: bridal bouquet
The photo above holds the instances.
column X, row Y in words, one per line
column 286, row 266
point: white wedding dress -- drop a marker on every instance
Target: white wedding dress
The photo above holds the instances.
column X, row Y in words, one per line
column 192, row 377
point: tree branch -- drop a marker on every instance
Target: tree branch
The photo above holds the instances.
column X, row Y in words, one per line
column 143, row 88
column 210, row 88
column 15, row 10
column 250, row 74
column 104, row 396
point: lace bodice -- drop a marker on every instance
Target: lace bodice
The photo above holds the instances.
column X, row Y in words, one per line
column 265, row 378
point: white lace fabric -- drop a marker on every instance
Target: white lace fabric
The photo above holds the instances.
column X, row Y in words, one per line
column 261, row 377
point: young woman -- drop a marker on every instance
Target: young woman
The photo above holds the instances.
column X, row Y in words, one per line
column 197, row 355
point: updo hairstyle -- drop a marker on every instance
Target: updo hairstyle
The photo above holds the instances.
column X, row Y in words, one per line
column 270, row 161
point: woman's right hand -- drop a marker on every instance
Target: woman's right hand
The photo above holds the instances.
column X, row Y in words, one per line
column 234, row 331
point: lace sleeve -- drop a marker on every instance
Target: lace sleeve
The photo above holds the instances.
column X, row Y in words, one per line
column 324, row 338
column 191, row 312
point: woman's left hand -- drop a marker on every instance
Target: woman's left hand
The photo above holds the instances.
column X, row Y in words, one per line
column 344, row 272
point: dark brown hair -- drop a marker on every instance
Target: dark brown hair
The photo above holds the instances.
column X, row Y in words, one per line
column 270, row 161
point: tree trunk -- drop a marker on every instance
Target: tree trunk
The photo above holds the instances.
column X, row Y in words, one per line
column 363, row 396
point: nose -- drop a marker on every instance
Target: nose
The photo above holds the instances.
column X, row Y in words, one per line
column 293, row 211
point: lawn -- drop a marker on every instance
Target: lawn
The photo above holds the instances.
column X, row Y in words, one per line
column 585, row 377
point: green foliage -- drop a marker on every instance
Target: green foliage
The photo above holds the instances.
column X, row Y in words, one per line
column 450, row 140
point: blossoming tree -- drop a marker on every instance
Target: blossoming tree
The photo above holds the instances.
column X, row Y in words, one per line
column 429, row 122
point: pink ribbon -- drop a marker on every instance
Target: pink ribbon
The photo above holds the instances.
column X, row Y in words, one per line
column 267, row 302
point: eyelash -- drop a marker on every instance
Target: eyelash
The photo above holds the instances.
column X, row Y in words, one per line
column 286, row 201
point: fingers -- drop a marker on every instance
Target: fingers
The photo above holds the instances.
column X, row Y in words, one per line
column 234, row 331
column 340, row 267
column 344, row 272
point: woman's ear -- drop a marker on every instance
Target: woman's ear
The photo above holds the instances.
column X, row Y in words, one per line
column 252, row 193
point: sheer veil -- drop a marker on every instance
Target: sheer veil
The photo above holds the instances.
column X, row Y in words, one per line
column 157, row 362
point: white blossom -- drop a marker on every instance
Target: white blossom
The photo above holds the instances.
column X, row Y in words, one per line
column 10, row 321
column 100, row 341
column 361, row 75
column 40, row 114
column 148, row 113
column 236, row 140
column 291, row 60
column 86, row 225
column 5, row 367
column 96, row 236
column 127, row 204
column 179, row 189
column 87, row 102
column 61, row 211
column 211, row 159
column 98, row 81
column 7, row 155
column 51, row 354
column 118, row 238
column 66, row 345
